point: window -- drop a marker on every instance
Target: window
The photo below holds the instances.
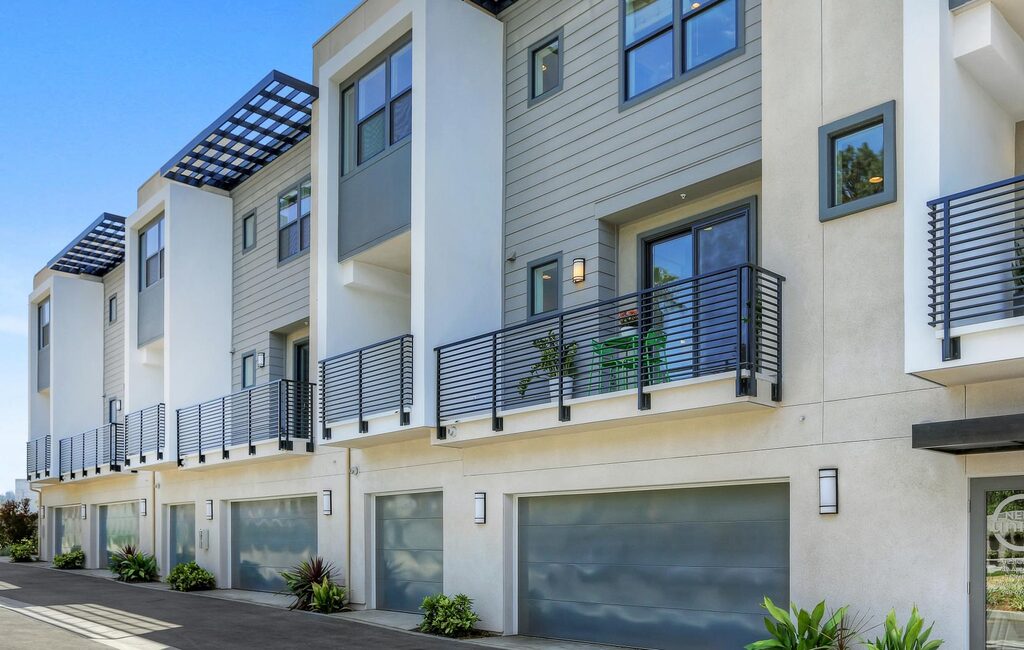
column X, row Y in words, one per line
column 857, row 162
column 248, row 231
column 248, row 370
column 377, row 107
column 544, row 294
column 112, row 309
column 653, row 55
column 43, row 312
column 151, row 254
column 293, row 209
column 546, row 66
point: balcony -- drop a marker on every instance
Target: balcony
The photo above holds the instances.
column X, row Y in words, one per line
column 698, row 346
column 145, row 436
column 976, row 282
column 88, row 454
column 262, row 422
column 366, row 394
column 37, row 459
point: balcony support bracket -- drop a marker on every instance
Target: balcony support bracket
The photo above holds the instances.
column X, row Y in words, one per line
column 497, row 423
column 950, row 348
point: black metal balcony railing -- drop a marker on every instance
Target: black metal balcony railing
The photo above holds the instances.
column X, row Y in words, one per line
column 281, row 410
column 726, row 321
column 145, row 433
column 90, row 450
column 37, row 458
column 373, row 379
column 976, row 258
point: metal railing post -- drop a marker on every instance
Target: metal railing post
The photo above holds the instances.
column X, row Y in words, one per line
column 643, row 399
column 950, row 345
column 563, row 410
column 364, row 426
column 248, row 427
column 403, row 417
column 497, row 423
column 442, row 432
column 224, row 428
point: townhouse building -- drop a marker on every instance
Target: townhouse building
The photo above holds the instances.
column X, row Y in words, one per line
column 615, row 315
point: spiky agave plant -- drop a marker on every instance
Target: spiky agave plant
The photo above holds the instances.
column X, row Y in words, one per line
column 301, row 578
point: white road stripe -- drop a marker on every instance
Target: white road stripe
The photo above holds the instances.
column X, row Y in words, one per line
column 61, row 616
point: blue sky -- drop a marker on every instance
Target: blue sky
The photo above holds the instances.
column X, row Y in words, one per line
column 94, row 98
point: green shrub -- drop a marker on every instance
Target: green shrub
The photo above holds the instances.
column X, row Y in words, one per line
column 23, row 551
column 130, row 564
column 189, row 576
column 300, row 580
column 452, row 617
column 1005, row 591
column 913, row 637
column 328, row 597
column 807, row 632
column 73, row 559
column 17, row 521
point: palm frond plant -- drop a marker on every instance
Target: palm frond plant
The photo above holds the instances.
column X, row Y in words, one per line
column 300, row 579
column 802, row 631
column 912, row 637
column 548, row 363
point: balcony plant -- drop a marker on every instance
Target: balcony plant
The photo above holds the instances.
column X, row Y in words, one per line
column 73, row 559
column 628, row 320
column 300, row 580
column 548, row 364
column 450, row 616
column 189, row 576
column 130, row 564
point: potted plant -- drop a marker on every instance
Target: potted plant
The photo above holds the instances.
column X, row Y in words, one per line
column 628, row 320
column 548, row 364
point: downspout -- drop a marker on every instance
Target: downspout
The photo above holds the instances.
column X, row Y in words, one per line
column 348, row 521
column 39, row 520
column 153, row 513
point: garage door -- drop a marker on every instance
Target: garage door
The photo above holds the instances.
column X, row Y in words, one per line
column 268, row 537
column 119, row 526
column 655, row 569
column 181, row 534
column 67, row 531
column 408, row 549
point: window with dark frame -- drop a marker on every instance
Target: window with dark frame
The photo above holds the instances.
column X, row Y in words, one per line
column 544, row 287
column 151, row 254
column 653, row 55
column 376, row 107
column 249, row 370
column 112, row 309
column 43, row 313
column 248, row 231
column 293, row 210
column 545, row 61
column 857, row 162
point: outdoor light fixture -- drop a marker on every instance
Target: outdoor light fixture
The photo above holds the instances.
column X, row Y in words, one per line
column 480, row 508
column 579, row 270
column 82, row 509
column 209, row 508
column 261, row 359
column 117, row 405
column 142, row 507
column 327, row 502
column 828, row 491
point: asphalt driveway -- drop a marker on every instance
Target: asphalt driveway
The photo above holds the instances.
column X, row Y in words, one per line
column 131, row 616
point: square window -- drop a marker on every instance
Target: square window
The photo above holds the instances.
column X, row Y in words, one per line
column 112, row 309
column 646, row 17
column 401, row 70
column 546, row 66
column 857, row 162
column 710, row 34
column 544, row 296
column 371, row 92
column 248, row 370
column 649, row 65
column 249, row 231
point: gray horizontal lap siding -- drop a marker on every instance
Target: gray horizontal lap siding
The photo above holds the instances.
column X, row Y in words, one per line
column 266, row 295
column 113, row 337
column 567, row 153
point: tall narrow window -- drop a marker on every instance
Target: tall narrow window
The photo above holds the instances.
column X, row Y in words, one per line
column 401, row 93
column 151, row 254
column 248, row 370
column 249, row 231
column 546, row 66
column 43, row 313
column 376, row 107
column 293, row 214
column 112, row 309
column 857, row 162
column 543, row 287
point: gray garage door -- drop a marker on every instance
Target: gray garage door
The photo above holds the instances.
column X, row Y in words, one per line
column 409, row 555
column 181, row 535
column 268, row 537
column 654, row 569
column 67, row 529
column 119, row 526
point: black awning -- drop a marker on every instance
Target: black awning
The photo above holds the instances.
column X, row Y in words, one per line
column 98, row 250
column 972, row 435
column 266, row 122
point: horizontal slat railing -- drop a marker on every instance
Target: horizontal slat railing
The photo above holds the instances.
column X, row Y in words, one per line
column 976, row 258
column 281, row 410
column 373, row 379
column 145, row 433
column 726, row 321
column 37, row 458
column 91, row 450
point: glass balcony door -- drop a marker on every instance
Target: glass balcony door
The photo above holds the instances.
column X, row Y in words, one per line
column 997, row 563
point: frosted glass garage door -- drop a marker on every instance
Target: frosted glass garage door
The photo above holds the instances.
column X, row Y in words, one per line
column 67, row 529
column 268, row 537
column 181, row 534
column 655, row 568
column 408, row 550
column 119, row 526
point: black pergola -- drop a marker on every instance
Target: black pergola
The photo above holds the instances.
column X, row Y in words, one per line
column 96, row 251
column 266, row 122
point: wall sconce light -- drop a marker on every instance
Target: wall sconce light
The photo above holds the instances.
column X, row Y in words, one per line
column 117, row 405
column 579, row 270
column 209, row 508
column 327, row 502
column 261, row 359
column 480, row 508
column 142, row 507
column 42, row 512
column 828, row 491
column 82, row 509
